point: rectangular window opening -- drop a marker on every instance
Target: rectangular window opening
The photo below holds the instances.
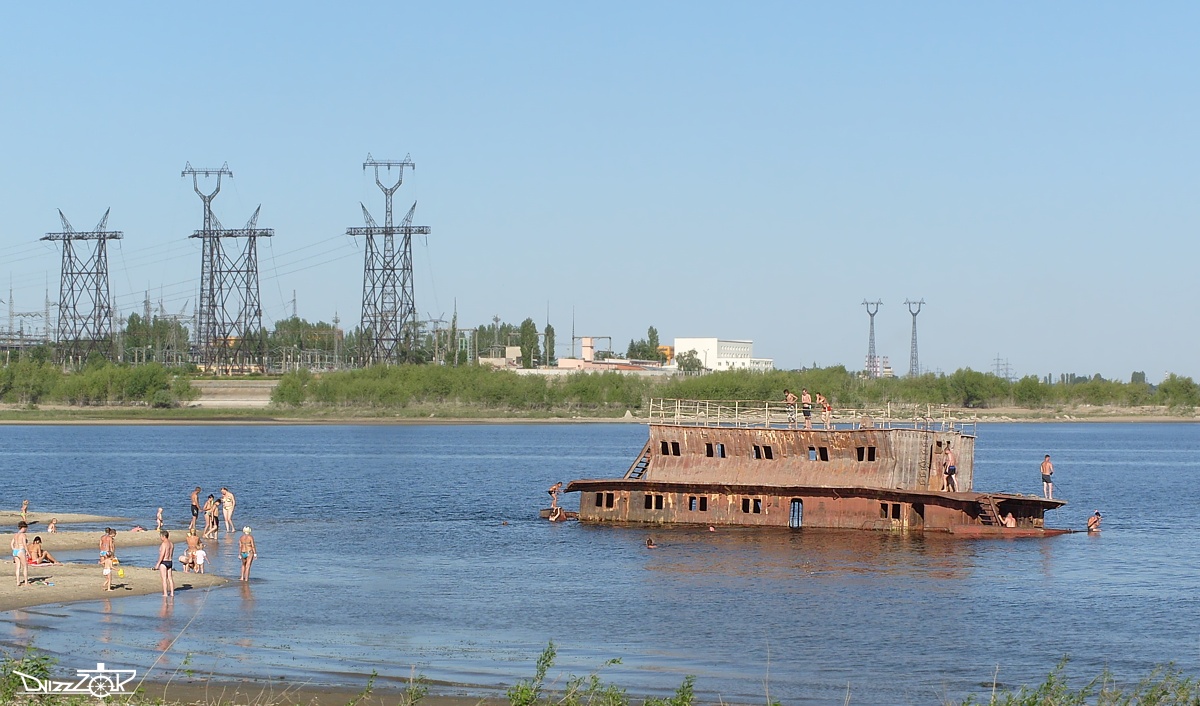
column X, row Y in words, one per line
column 720, row 450
column 658, row 502
column 824, row 453
column 768, row 453
column 758, row 451
column 883, row 510
column 862, row 452
column 745, row 504
column 649, row 502
column 758, row 505
column 666, row 449
column 870, row 453
column 812, row 453
column 895, row 511
column 599, row 499
column 674, row 448
column 703, row 504
column 608, row 500
column 708, row 450
column 692, row 503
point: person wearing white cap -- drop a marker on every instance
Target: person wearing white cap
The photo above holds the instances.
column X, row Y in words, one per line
column 247, row 551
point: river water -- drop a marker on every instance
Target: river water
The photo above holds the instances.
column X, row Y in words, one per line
column 390, row 549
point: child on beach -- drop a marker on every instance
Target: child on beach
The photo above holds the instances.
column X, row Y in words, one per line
column 158, row 519
column 107, row 563
column 53, row 526
column 199, row 557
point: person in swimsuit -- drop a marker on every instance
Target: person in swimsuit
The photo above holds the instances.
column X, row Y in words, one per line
column 158, row 519
column 1094, row 522
column 107, row 544
column 247, row 551
column 189, row 554
column 951, row 471
column 210, row 518
column 806, row 407
column 195, row 507
column 107, row 570
column 228, row 502
column 826, row 410
column 1048, row 478
column 554, row 491
column 165, row 566
column 20, row 548
column 38, row 555
column 789, row 400
column 53, row 526
column 25, row 510
column 199, row 559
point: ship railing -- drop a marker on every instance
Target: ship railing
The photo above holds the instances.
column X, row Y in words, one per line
column 779, row 415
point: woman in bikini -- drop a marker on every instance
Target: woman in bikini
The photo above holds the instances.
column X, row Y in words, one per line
column 38, row 555
column 211, row 523
column 247, row 551
column 228, row 502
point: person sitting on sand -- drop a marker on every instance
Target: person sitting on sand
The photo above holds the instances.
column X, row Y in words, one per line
column 1094, row 522
column 53, row 526
column 193, row 543
column 247, row 551
column 38, row 555
column 137, row 528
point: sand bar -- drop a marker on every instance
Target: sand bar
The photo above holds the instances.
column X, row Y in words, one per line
column 39, row 520
column 65, row 583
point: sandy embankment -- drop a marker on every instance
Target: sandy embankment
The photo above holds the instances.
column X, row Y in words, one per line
column 39, row 520
column 66, row 583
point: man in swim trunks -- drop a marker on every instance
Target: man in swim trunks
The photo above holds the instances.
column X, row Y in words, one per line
column 165, row 566
column 195, row 507
column 950, row 469
column 1094, row 522
column 789, row 399
column 20, row 550
column 554, row 491
column 806, row 407
column 1048, row 478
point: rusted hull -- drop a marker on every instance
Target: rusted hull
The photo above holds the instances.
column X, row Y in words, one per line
column 562, row 515
column 657, row 503
column 991, row 532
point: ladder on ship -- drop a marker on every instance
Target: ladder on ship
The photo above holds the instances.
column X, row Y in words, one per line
column 989, row 512
column 638, row 469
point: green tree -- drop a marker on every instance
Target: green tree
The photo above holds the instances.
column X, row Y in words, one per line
column 646, row 348
column 689, row 362
column 548, row 345
column 528, row 339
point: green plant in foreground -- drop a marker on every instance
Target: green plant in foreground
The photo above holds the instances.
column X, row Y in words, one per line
column 32, row 662
column 586, row 691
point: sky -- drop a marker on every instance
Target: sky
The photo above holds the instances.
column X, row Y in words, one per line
column 739, row 170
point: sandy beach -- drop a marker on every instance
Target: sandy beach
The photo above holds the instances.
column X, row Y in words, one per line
column 38, row 520
column 65, row 583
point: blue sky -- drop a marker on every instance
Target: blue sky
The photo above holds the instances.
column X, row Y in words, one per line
column 712, row 169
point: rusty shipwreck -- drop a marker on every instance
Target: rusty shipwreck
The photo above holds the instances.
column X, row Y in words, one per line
column 756, row 464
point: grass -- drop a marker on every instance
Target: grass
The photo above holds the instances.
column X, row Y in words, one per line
column 1163, row 686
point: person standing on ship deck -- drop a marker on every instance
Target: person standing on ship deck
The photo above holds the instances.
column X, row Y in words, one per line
column 789, row 399
column 826, row 411
column 950, row 470
column 806, row 407
column 1048, row 478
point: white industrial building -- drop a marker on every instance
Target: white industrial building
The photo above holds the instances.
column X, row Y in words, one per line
column 719, row 354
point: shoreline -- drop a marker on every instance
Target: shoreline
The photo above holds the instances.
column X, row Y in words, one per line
column 52, row 584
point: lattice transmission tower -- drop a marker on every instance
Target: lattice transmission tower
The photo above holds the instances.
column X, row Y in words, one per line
column 229, row 334
column 84, row 299
column 873, row 368
column 914, row 365
column 389, row 311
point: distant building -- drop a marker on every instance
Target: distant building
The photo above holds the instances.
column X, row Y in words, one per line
column 718, row 354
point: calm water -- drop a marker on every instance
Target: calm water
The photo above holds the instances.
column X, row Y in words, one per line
column 384, row 548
